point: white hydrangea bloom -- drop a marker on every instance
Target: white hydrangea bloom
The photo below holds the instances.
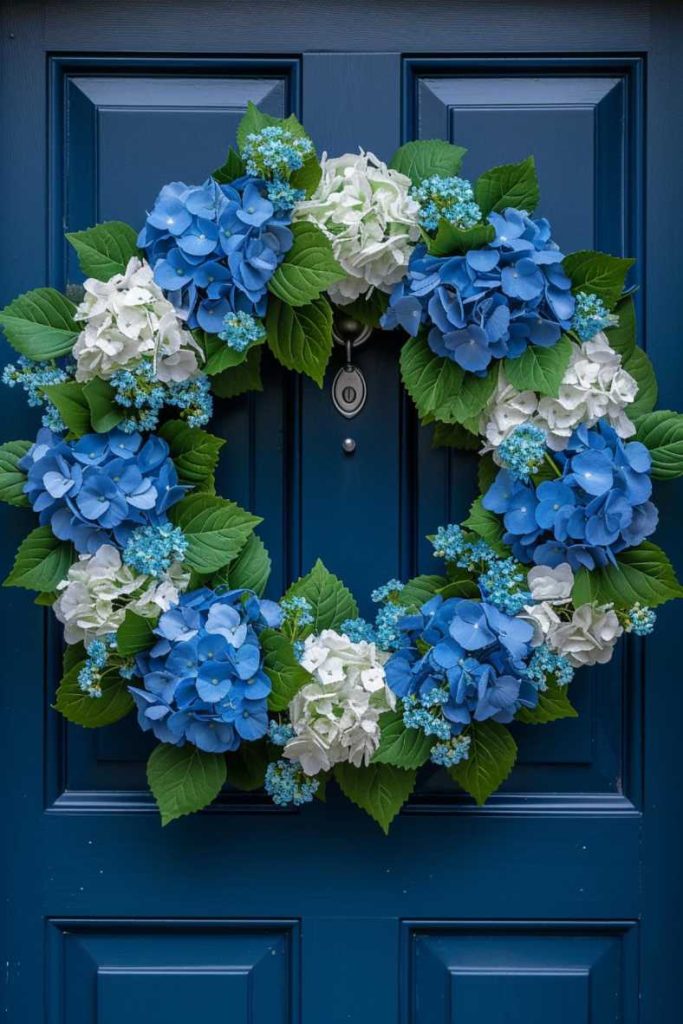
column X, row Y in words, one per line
column 544, row 620
column 336, row 717
column 553, row 585
column 126, row 318
column 366, row 211
column 595, row 386
column 590, row 637
column 99, row 589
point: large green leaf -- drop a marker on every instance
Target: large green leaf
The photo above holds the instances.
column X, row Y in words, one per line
column 378, row 789
column 220, row 356
column 599, row 273
column 247, row 766
column 330, row 600
column 540, row 369
column 399, row 746
column 72, row 405
column 42, row 561
column 12, row 478
column 421, row 589
column 426, row 157
column 216, row 530
column 282, row 668
column 641, row 369
column 508, row 185
column 239, row 379
column 308, row 268
column 301, row 338
column 433, row 383
column 662, row 433
column 184, row 779
column 451, row 240
column 642, row 574
column 93, row 712
column 251, row 568
column 194, row 451
column 492, row 756
column 105, row 414
column 623, row 337
column 308, row 176
column 553, row 704
column 40, row 324
column 136, row 633
column 486, row 525
column 105, row 249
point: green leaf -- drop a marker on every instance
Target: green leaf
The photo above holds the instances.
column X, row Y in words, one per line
column 662, row 433
column 105, row 249
column 40, row 324
column 246, row 766
column 220, row 356
column 194, row 451
column 252, row 566
column 421, row 589
column 184, row 779
column 136, row 633
column 454, row 435
column 42, row 561
column 642, row 574
column 245, row 377
column 623, row 337
column 301, row 338
column 12, row 478
column 492, row 756
column 105, row 414
column 330, row 600
column 399, row 746
column 72, row 405
column 254, row 120
column 599, row 273
column 452, row 241
column 216, row 530
column 74, row 654
column 282, row 668
column 231, row 169
column 368, row 309
column 378, row 789
column 486, row 525
column 469, row 402
column 540, row 369
column 46, row 599
column 433, row 383
column 487, row 471
column 93, row 712
column 641, row 369
column 508, row 185
column 425, row 157
column 308, row 268
column 308, row 176
column 553, row 704
column 460, row 584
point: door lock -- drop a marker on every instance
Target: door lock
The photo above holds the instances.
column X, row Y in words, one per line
column 349, row 390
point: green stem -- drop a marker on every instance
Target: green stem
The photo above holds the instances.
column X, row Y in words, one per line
column 552, row 464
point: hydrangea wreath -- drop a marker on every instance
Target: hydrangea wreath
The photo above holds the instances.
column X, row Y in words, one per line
column 514, row 349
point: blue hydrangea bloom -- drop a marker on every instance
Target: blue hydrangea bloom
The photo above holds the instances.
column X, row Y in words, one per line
column 475, row 650
column 598, row 507
column 492, row 302
column 215, row 247
column 98, row 489
column 203, row 680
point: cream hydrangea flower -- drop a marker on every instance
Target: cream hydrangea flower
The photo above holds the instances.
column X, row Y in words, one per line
column 336, row 717
column 595, row 386
column 99, row 589
column 366, row 211
column 551, row 584
column 126, row 318
column 590, row 637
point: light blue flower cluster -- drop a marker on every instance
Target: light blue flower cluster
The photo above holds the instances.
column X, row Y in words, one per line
column 286, row 783
column 505, row 584
column 492, row 302
column 450, row 199
column 90, row 675
column 471, row 648
column 152, row 550
column 523, row 451
column 591, row 315
column 297, row 613
column 359, row 631
column 98, row 489
column 451, row 752
column 240, row 330
column 141, row 392
column 389, row 591
column 274, row 153
column 641, row 620
column 215, row 247
column 280, row 733
column 424, row 713
column 548, row 666
column 32, row 377
column 598, row 507
column 451, row 543
column 203, row 680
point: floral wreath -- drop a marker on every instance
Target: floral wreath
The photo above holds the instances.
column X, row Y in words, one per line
column 515, row 350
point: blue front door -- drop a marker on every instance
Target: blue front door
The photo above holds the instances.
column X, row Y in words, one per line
column 559, row 901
